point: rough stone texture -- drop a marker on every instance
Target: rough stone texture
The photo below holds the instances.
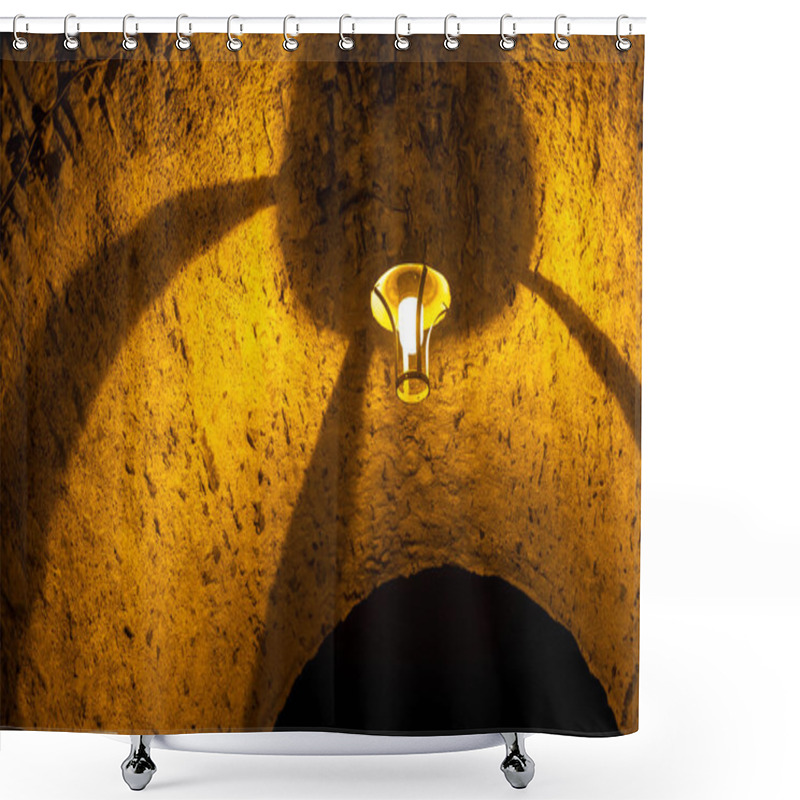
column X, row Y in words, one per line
column 204, row 466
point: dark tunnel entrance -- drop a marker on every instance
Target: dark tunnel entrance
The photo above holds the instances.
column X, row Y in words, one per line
column 448, row 651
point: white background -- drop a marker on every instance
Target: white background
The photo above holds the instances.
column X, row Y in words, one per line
column 720, row 703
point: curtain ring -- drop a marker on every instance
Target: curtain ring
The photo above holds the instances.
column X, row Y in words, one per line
column 289, row 42
column 401, row 42
column 451, row 42
column 622, row 43
column 560, row 42
column 345, row 42
column 182, row 42
column 128, row 42
column 19, row 43
column 233, row 43
column 507, row 42
column 71, row 42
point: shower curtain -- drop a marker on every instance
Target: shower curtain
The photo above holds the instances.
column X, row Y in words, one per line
column 216, row 512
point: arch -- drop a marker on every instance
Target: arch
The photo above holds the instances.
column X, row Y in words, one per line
column 66, row 359
column 447, row 651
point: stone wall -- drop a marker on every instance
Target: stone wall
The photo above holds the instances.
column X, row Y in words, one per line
column 204, row 465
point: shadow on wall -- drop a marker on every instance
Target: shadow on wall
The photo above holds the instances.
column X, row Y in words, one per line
column 429, row 162
column 374, row 176
column 68, row 357
column 423, row 162
column 410, row 161
column 602, row 354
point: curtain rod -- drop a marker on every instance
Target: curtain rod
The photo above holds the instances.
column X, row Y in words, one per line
column 567, row 25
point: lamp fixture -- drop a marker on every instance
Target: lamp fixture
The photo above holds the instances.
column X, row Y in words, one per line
column 409, row 300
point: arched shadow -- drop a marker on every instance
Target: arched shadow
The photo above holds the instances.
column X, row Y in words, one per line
column 600, row 351
column 448, row 651
column 67, row 359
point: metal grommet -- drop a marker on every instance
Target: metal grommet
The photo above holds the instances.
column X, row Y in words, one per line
column 19, row 43
column 233, row 43
column 71, row 42
column 128, row 42
column 182, row 42
column 289, row 42
column 451, row 42
column 507, row 42
column 401, row 42
column 623, row 44
column 345, row 42
column 560, row 42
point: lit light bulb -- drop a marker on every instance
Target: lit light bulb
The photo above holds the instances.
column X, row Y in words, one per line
column 404, row 294
column 406, row 323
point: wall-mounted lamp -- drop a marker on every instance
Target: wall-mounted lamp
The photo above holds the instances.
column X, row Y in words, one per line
column 409, row 300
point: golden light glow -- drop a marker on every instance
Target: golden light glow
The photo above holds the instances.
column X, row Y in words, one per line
column 175, row 442
column 406, row 319
column 409, row 300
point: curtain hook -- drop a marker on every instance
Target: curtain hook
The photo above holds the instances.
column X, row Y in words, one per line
column 19, row 42
column 289, row 42
column 182, row 42
column 451, row 42
column 233, row 43
column 128, row 42
column 507, row 42
column 346, row 42
column 401, row 42
column 622, row 43
column 560, row 42
column 71, row 42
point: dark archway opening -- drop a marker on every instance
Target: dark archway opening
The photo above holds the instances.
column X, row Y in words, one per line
column 448, row 651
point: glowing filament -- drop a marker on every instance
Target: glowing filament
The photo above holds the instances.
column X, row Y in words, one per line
column 406, row 323
column 409, row 300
